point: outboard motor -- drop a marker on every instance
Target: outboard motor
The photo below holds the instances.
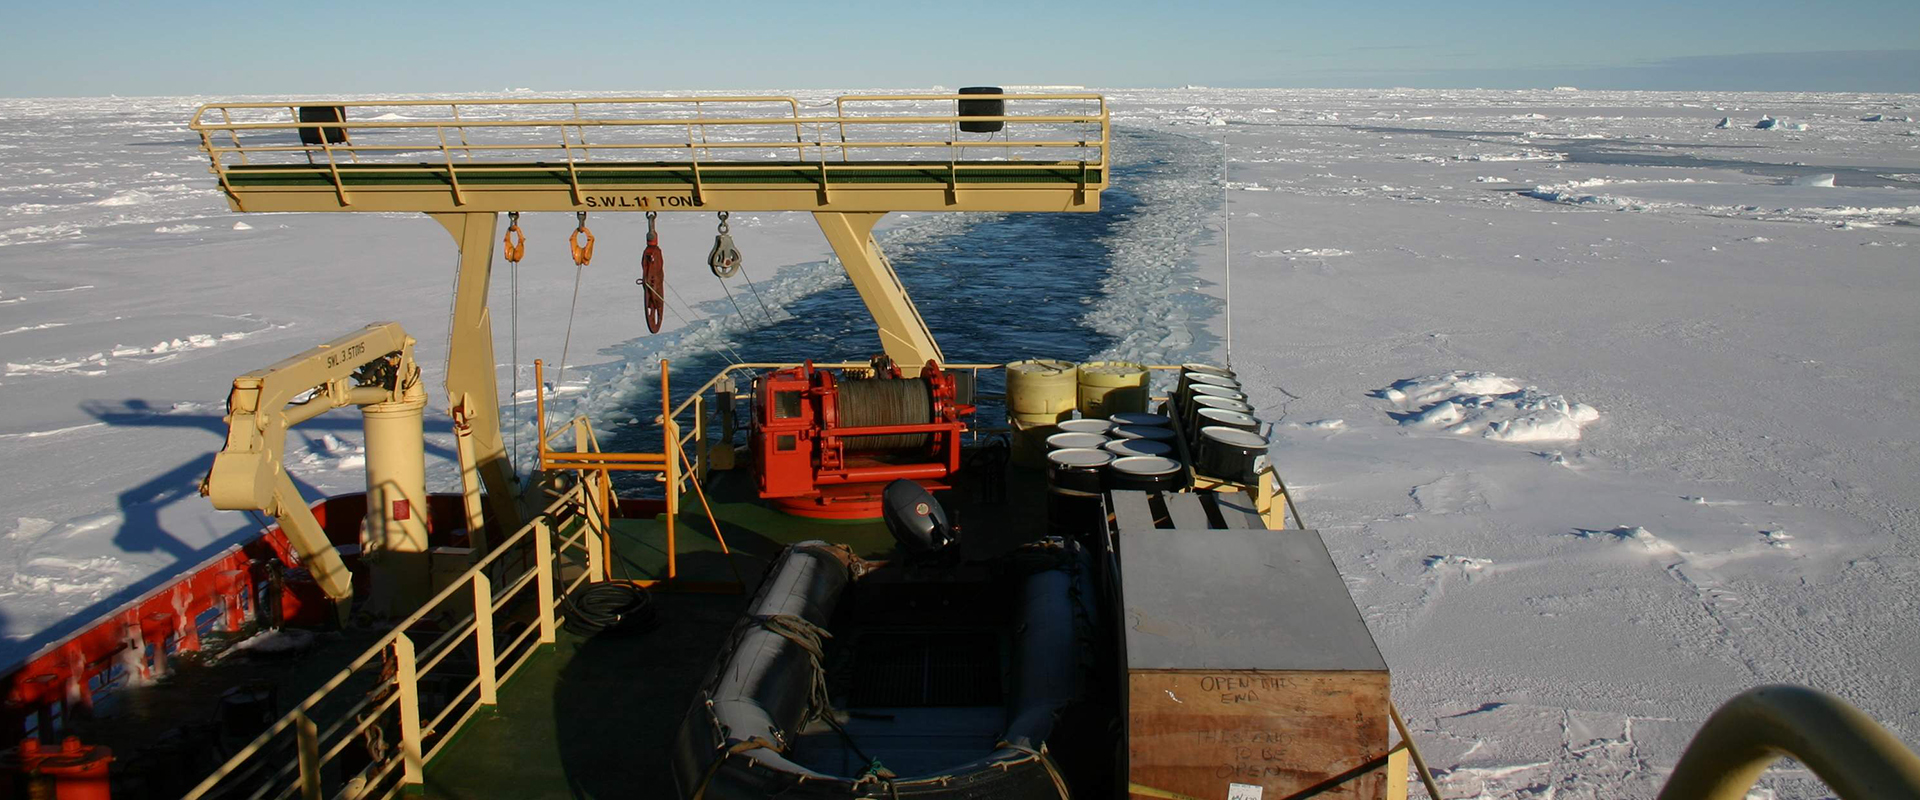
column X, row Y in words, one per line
column 918, row 524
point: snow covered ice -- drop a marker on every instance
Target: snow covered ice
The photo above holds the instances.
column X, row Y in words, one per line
column 1604, row 408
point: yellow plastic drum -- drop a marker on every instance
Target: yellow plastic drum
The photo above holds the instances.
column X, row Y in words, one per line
column 1040, row 390
column 1109, row 387
column 1040, row 393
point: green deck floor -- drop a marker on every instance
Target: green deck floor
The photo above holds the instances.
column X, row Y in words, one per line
column 596, row 717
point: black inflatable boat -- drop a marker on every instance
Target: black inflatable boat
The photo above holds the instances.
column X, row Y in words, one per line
column 904, row 678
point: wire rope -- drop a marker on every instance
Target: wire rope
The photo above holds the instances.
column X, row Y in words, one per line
column 567, row 342
column 735, row 360
column 756, row 293
column 513, row 272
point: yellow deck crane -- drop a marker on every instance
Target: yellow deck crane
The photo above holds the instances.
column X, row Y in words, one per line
column 372, row 368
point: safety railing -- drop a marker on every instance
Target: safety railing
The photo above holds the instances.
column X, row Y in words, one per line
column 1856, row 757
column 370, row 729
column 595, row 467
column 464, row 141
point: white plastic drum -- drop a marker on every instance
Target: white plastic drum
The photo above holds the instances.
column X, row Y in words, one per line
column 1082, row 441
column 1190, row 384
column 1142, row 418
column 1142, row 432
column 1230, row 454
column 1199, row 404
column 1228, row 392
column 1121, row 448
column 1207, row 368
column 1075, row 478
column 1231, row 419
column 1078, row 469
column 1097, row 426
column 1145, row 474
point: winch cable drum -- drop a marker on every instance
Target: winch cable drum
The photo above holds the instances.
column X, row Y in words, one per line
column 885, row 401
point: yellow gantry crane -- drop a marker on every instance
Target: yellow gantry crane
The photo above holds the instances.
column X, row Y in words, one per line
column 463, row 162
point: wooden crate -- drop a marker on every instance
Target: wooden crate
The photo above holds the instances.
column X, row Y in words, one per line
column 1198, row 733
column 1250, row 674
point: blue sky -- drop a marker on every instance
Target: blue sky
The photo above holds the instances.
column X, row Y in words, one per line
column 357, row 48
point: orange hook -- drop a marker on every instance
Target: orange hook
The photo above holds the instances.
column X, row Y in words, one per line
column 515, row 242
column 582, row 254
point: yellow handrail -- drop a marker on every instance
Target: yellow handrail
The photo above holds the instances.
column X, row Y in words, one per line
column 622, row 113
column 494, row 667
column 1858, row 759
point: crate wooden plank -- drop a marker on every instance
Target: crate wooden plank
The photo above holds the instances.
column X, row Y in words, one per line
column 1196, row 733
column 1130, row 510
column 1236, row 510
column 1184, row 508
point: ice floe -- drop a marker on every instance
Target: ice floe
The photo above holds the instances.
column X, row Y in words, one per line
column 1486, row 405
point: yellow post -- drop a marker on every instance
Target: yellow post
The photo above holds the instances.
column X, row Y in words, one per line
column 543, row 576
column 1426, row 775
column 308, row 736
column 596, row 555
column 672, row 433
column 1269, row 503
column 406, row 680
column 1397, row 775
column 470, row 490
column 483, row 638
column 699, row 437
column 471, row 382
column 902, row 331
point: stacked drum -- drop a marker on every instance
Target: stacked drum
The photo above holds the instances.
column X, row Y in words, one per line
column 1076, row 474
column 1222, row 433
column 1116, row 444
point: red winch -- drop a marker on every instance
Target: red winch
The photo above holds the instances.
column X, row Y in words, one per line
column 825, row 446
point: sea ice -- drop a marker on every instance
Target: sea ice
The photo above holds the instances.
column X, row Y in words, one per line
column 1488, row 405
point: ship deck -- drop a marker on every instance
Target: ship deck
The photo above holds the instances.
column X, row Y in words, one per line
column 597, row 716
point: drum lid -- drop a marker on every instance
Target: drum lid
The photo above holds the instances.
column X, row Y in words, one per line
column 1141, row 432
column 1203, row 390
column 1138, row 447
column 1206, row 368
column 1141, row 418
column 1234, row 437
column 1099, row 426
column 1222, row 402
column 1221, row 416
column 1041, row 367
column 1080, row 457
column 1060, row 441
column 1146, row 465
column 1209, row 379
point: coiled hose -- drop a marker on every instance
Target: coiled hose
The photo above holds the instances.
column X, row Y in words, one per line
column 611, row 606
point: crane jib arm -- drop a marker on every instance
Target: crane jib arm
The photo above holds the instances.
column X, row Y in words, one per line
column 370, row 366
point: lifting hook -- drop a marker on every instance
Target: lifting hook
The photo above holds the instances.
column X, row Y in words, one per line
column 724, row 259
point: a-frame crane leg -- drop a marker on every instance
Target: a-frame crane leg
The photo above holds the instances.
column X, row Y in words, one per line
column 902, row 332
column 472, row 384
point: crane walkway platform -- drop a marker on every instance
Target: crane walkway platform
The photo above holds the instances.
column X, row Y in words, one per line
column 868, row 153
